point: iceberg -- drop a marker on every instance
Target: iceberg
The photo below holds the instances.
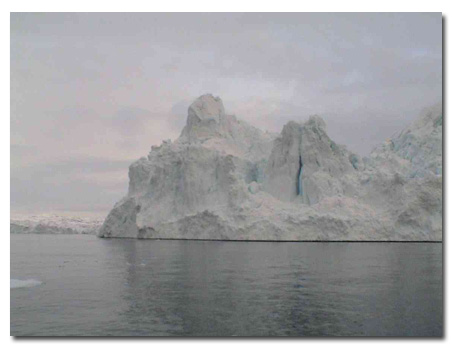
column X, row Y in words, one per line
column 224, row 179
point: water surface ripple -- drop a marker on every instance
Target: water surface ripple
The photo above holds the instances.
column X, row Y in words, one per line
column 119, row 287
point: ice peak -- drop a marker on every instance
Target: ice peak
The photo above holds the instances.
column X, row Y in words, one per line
column 206, row 107
column 208, row 124
column 205, row 115
column 314, row 121
column 317, row 122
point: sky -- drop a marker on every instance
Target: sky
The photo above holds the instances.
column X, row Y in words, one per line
column 92, row 92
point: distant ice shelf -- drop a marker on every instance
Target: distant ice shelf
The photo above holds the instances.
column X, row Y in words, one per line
column 51, row 223
column 15, row 283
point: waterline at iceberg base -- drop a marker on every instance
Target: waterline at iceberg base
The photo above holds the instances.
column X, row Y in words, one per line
column 224, row 179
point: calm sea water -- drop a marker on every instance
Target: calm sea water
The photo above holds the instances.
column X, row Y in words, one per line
column 84, row 286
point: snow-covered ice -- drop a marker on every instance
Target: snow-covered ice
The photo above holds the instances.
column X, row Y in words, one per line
column 225, row 179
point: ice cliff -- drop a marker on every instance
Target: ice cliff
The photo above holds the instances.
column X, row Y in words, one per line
column 224, row 179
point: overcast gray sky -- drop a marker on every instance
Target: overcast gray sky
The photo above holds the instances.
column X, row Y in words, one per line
column 90, row 93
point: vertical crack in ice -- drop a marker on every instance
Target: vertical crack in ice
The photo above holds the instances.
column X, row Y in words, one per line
column 300, row 173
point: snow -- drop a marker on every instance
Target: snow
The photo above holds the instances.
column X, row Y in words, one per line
column 224, row 179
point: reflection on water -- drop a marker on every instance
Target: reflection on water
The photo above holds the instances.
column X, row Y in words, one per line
column 197, row 288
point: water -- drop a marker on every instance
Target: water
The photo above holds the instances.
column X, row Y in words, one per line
column 85, row 286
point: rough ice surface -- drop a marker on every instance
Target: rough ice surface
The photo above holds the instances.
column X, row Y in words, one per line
column 54, row 224
column 224, row 179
